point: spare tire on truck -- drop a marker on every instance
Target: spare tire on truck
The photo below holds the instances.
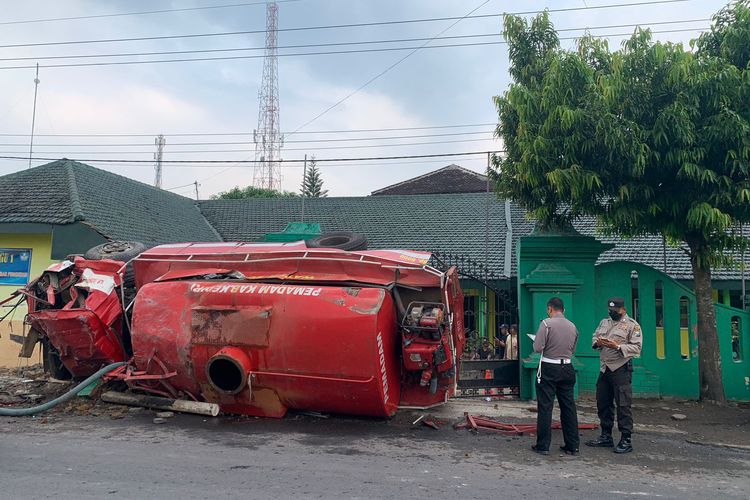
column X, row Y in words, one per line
column 343, row 240
column 123, row 251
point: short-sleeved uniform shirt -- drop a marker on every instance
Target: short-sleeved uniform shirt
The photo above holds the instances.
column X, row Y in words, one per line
column 626, row 332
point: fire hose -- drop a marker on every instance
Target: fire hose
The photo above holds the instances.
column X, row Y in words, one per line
column 23, row 412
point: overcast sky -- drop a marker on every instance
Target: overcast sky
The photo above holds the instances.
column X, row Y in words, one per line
column 432, row 88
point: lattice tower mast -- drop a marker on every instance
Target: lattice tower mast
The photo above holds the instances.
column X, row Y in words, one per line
column 159, row 142
column 267, row 137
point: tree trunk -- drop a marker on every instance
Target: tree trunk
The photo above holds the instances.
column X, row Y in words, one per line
column 709, row 357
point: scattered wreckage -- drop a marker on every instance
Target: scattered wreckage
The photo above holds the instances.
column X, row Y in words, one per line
column 255, row 328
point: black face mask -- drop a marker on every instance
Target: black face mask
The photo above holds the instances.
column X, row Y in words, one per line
column 615, row 315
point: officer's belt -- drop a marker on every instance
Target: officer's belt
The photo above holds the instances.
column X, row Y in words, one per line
column 556, row 361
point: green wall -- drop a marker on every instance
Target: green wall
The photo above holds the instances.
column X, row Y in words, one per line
column 672, row 374
column 557, row 266
column 564, row 266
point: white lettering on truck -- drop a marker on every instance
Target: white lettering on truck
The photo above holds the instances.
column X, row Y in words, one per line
column 260, row 290
column 383, row 374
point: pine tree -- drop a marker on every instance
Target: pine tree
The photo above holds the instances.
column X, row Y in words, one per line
column 312, row 184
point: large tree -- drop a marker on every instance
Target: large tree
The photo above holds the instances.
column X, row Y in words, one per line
column 651, row 139
column 312, row 183
column 239, row 193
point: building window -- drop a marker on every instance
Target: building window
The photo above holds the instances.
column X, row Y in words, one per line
column 684, row 327
column 736, row 332
column 634, row 311
column 659, row 302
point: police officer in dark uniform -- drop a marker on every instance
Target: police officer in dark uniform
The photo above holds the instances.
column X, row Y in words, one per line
column 556, row 340
column 619, row 340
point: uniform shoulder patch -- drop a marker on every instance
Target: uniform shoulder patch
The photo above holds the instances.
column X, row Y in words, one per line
column 636, row 331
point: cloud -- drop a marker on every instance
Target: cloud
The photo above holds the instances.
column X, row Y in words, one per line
column 135, row 107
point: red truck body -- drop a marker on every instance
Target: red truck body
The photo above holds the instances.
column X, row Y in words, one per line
column 263, row 328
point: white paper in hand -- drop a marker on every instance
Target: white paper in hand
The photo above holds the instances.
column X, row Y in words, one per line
column 532, row 337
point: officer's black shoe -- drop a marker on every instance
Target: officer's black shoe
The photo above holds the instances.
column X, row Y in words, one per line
column 569, row 451
column 624, row 446
column 603, row 441
column 538, row 450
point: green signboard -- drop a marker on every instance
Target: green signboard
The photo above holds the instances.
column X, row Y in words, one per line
column 15, row 266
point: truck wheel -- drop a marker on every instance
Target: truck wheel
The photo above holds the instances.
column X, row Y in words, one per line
column 121, row 251
column 52, row 363
column 343, row 240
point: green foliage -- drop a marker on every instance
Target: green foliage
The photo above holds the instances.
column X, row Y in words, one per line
column 238, row 193
column 650, row 139
column 312, row 184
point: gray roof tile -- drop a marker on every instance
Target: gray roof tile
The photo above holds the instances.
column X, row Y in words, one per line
column 66, row 191
column 447, row 223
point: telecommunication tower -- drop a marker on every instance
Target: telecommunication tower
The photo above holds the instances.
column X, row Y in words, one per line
column 267, row 137
column 159, row 142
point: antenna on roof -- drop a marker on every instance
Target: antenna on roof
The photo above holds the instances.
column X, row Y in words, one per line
column 159, row 141
column 33, row 114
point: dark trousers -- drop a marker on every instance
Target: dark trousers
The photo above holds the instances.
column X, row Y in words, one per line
column 614, row 388
column 556, row 380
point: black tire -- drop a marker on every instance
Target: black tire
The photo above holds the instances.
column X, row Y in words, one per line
column 122, row 251
column 52, row 363
column 343, row 240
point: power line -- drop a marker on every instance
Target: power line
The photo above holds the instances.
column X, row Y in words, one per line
column 389, row 68
column 397, row 163
column 335, row 26
column 322, row 53
column 139, row 13
column 249, row 133
column 218, row 162
column 329, row 44
column 239, row 143
column 311, row 148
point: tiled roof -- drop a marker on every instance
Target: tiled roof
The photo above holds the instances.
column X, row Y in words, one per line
column 66, row 191
column 450, row 179
column 651, row 251
column 446, row 223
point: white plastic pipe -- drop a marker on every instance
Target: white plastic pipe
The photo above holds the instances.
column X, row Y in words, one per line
column 181, row 405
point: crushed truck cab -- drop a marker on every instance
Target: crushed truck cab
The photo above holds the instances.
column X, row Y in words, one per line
column 263, row 328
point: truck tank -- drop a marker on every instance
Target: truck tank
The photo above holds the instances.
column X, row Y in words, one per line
column 261, row 348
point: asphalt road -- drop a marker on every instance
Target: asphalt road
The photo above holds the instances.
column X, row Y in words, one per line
column 70, row 456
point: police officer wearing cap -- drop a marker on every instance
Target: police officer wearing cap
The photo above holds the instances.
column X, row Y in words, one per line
column 619, row 340
column 556, row 340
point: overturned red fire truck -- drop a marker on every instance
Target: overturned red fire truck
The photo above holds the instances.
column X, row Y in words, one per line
column 258, row 328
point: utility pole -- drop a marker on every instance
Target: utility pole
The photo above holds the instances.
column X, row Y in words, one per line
column 304, row 178
column 267, row 137
column 196, row 190
column 33, row 115
column 487, row 253
column 159, row 142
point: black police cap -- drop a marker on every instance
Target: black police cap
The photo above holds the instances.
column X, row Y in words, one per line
column 616, row 302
